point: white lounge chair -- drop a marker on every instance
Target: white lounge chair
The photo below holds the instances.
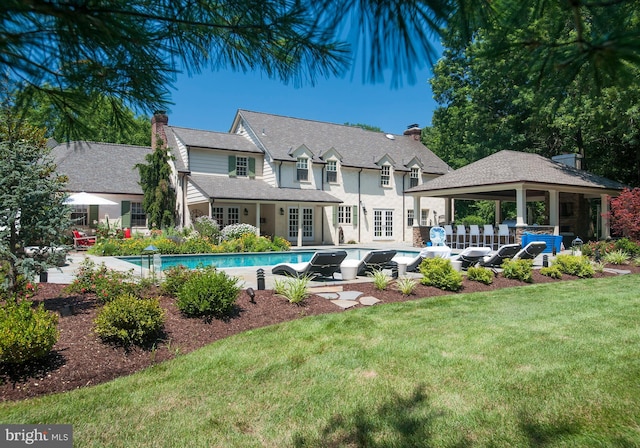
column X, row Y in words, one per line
column 471, row 256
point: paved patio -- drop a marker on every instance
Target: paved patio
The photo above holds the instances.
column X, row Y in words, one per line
column 247, row 275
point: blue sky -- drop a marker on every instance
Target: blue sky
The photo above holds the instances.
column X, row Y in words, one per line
column 210, row 100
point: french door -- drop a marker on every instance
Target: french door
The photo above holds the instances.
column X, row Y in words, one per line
column 307, row 223
column 382, row 224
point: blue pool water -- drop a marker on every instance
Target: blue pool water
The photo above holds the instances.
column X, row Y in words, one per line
column 239, row 260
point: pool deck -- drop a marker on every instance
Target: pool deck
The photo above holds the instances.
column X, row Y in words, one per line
column 246, row 275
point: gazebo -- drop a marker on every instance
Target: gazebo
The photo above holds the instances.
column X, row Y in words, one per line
column 524, row 177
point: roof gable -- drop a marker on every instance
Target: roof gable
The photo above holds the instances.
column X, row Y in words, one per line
column 358, row 147
column 100, row 167
column 509, row 167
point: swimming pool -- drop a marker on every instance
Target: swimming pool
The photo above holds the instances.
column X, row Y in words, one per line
column 239, row 260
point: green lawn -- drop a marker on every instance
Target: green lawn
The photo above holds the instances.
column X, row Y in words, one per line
column 541, row 365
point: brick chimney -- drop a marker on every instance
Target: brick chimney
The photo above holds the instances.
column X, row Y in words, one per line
column 413, row 130
column 158, row 122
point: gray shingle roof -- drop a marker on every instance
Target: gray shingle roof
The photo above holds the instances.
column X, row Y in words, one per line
column 507, row 167
column 100, row 167
column 360, row 148
column 214, row 140
column 222, row 187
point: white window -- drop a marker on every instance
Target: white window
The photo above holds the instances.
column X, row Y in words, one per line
column 385, row 176
column 138, row 216
column 410, row 218
column 415, row 176
column 302, row 168
column 242, row 166
column 234, row 215
column 382, row 224
column 424, row 217
column 79, row 215
column 332, row 171
column 307, row 223
column 344, row 214
column 217, row 213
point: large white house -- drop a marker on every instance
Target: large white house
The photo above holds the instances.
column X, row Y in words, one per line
column 308, row 181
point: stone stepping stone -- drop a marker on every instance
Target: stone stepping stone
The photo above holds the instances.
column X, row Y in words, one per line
column 617, row 271
column 329, row 295
column 369, row 300
column 318, row 289
column 344, row 303
column 350, row 295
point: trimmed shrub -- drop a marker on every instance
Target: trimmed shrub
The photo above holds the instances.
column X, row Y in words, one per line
column 480, row 274
column 574, row 265
column 208, row 293
column 26, row 333
column 128, row 320
column 551, row 271
column 174, row 278
column 518, row 269
column 439, row 272
column 628, row 246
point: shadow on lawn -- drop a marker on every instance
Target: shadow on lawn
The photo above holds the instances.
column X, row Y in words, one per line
column 401, row 422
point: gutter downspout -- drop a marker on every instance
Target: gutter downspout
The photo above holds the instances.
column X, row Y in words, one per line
column 360, row 208
column 322, row 187
column 404, row 212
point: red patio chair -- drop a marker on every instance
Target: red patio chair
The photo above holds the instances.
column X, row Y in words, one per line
column 82, row 241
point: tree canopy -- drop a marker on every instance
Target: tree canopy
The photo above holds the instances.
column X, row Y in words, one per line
column 489, row 101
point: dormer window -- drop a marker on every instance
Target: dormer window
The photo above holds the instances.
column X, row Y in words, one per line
column 415, row 176
column 385, row 176
column 332, row 171
column 242, row 165
column 302, row 168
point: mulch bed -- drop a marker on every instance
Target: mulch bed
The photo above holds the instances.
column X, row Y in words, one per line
column 80, row 359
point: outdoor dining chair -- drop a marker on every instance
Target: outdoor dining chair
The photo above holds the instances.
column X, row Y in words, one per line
column 461, row 236
column 474, row 235
column 488, row 234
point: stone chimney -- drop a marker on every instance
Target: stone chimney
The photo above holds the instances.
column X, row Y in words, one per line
column 571, row 159
column 158, row 122
column 413, row 130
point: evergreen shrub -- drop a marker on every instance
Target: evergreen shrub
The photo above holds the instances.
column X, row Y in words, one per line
column 480, row 274
column 26, row 333
column 518, row 269
column 208, row 293
column 129, row 320
column 439, row 272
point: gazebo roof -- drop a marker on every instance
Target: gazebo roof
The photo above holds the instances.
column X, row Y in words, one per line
column 496, row 176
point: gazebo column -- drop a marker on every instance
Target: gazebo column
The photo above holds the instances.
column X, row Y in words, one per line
column 521, row 207
column 498, row 212
column 554, row 211
column 521, row 212
column 605, row 231
column 448, row 218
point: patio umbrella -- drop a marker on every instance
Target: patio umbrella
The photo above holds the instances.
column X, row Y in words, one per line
column 87, row 199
